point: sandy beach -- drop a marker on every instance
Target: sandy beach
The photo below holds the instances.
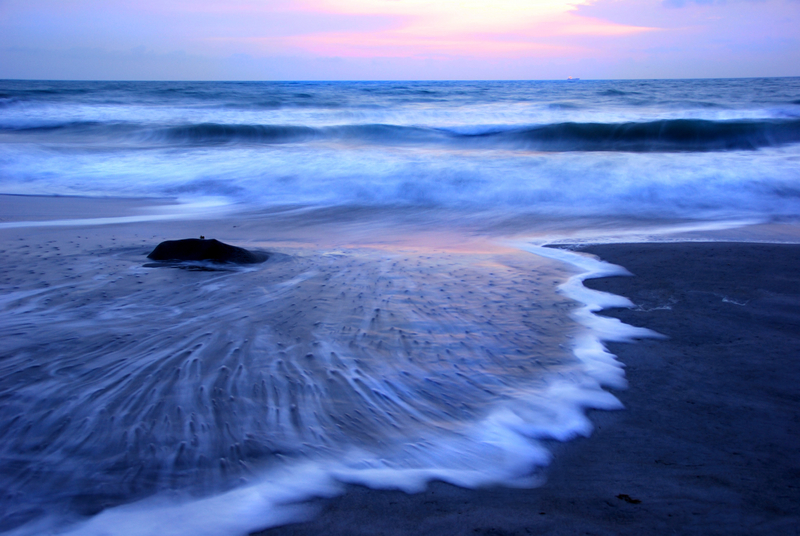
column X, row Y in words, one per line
column 707, row 443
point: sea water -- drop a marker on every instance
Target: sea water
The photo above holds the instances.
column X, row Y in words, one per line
column 407, row 327
column 695, row 149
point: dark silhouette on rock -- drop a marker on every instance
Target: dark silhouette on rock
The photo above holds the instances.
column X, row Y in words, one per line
column 200, row 249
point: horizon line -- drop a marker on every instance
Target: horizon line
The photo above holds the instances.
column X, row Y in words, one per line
column 419, row 80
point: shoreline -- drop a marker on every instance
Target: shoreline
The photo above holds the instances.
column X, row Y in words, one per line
column 706, row 444
column 52, row 208
column 356, row 225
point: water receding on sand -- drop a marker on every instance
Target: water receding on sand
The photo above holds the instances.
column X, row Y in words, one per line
column 381, row 364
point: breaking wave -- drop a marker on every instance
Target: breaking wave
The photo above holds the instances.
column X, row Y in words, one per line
column 666, row 135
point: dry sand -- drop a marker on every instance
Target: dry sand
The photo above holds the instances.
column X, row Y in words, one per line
column 708, row 443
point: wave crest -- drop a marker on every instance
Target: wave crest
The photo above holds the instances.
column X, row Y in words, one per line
column 666, row 135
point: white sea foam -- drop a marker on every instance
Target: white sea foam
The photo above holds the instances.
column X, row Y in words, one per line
column 588, row 347
column 200, row 207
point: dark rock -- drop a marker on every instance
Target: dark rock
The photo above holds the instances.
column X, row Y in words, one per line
column 198, row 249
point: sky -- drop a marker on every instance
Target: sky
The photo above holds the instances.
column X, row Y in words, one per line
column 397, row 39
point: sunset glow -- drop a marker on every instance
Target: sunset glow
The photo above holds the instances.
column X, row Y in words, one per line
column 508, row 28
column 455, row 39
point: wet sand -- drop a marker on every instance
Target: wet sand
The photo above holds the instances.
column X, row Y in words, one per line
column 708, row 443
column 17, row 208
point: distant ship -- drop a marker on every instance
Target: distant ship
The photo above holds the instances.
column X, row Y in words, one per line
column 570, row 79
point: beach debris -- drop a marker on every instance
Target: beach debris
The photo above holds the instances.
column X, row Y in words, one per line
column 201, row 249
column 628, row 498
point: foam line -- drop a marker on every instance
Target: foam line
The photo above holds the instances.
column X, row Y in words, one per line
column 180, row 211
column 588, row 347
column 275, row 500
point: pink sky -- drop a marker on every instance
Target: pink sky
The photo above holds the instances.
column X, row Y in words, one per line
column 397, row 39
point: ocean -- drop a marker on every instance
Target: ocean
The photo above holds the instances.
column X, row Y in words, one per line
column 408, row 326
column 693, row 149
